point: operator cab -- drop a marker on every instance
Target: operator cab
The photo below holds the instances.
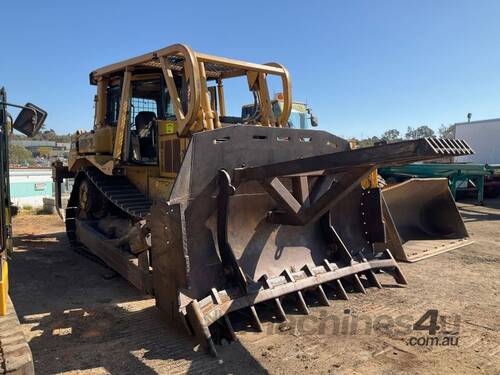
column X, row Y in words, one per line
column 149, row 102
column 148, row 107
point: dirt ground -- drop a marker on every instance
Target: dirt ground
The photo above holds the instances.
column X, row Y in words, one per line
column 80, row 318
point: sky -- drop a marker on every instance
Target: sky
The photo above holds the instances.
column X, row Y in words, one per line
column 362, row 66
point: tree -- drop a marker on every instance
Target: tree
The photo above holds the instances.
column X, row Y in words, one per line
column 410, row 133
column 44, row 135
column 390, row 135
column 20, row 155
column 368, row 142
column 446, row 131
column 420, row 132
column 424, row 131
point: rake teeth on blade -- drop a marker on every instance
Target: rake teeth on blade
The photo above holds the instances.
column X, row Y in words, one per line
column 341, row 290
column 212, row 311
column 280, row 311
column 322, row 297
column 370, row 275
column 358, row 285
column 255, row 320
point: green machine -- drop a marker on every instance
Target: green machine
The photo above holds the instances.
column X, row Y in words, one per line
column 456, row 173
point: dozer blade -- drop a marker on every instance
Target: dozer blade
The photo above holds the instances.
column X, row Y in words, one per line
column 262, row 214
column 422, row 219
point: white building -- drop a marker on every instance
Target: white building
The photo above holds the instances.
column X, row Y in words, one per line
column 484, row 138
column 28, row 186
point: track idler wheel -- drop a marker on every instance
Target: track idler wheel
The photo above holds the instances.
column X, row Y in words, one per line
column 91, row 204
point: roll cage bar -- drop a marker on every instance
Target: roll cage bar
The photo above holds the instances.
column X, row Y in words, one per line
column 196, row 69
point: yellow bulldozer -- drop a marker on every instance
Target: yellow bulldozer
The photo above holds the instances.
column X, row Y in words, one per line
column 214, row 214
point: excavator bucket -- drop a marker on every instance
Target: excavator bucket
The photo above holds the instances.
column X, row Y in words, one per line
column 260, row 214
column 422, row 219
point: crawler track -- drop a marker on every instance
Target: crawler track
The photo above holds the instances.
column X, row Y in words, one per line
column 118, row 190
column 121, row 193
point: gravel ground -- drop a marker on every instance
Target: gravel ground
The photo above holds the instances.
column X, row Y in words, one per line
column 80, row 318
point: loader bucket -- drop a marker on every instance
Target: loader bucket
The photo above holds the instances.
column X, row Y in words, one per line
column 258, row 214
column 422, row 219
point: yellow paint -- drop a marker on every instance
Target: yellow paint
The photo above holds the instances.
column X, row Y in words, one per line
column 4, row 288
column 166, row 127
column 104, row 139
column 170, row 127
column 160, row 188
column 299, row 107
column 371, row 181
column 139, row 176
column 123, row 116
column 45, row 151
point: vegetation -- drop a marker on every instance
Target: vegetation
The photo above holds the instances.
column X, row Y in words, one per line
column 45, row 135
column 20, row 155
column 393, row 135
column 390, row 135
column 446, row 131
column 420, row 132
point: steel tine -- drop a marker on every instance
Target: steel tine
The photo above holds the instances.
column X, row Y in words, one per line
column 358, row 284
column 433, row 144
column 280, row 311
column 255, row 319
column 210, row 347
column 399, row 276
column 458, row 146
column 467, row 146
column 341, row 289
column 323, row 299
column 229, row 328
column 302, row 303
column 200, row 328
column 372, row 278
column 442, row 145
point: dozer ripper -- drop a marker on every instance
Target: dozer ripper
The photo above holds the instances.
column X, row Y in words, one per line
column 214, row 214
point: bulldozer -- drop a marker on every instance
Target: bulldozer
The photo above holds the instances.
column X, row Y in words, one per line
column 214, row 214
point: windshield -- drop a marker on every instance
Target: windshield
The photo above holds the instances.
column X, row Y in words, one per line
column 299, row 116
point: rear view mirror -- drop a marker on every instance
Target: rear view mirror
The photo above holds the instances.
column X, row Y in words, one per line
column 314, row 120
column 312, row 117
column 30, row 120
